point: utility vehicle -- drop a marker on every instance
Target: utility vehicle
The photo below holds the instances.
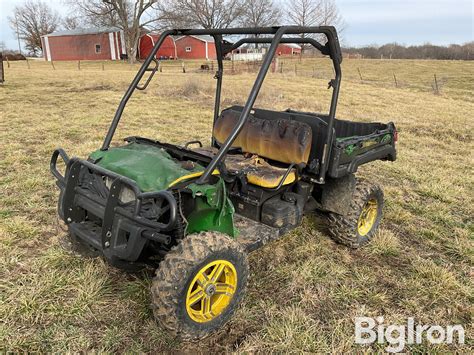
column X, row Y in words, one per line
column 195, row 211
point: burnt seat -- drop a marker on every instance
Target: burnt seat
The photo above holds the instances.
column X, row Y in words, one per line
column 279, row 141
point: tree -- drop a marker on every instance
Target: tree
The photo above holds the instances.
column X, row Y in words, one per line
column 32, row 20
column 329, row 15
column 303, row 13
column 259, row 13
column 200, row 13
column 71, row 23
column 128, row 15
column 315, row 13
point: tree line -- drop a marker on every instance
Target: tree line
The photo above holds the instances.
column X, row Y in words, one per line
column 34, row 18
column 425, row 51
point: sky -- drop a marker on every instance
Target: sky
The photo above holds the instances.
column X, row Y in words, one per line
column 366, row 21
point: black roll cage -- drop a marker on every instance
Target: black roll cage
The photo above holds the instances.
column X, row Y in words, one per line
column 275, row 37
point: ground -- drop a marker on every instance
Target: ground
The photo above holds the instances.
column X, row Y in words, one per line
column 304, row 290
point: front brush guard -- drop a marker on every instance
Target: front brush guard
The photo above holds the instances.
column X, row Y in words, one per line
column 123, row 231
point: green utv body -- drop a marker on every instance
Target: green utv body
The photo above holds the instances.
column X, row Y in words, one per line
column 194, row 211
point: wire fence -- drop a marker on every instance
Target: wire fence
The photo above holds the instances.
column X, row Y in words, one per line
column 434, row 76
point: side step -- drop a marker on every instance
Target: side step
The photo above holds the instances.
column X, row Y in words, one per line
column 253, row 234
column 89, row 232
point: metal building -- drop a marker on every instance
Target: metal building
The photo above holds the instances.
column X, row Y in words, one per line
column 84, row 44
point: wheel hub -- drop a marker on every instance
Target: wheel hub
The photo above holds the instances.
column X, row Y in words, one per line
column 211, row 291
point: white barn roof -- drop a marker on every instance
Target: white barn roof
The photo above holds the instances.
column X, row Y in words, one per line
column 292, row 45
column 84, row 31
column 203, row 38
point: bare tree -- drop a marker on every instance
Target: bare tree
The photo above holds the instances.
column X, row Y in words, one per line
column 315, row 13
column 128, row 15
column 71, row 23
column 260, row 13
column 303, row 13
column 32, row 20
column 96, row 13
column 2, row 46
column 329, row 15
column 201, row 13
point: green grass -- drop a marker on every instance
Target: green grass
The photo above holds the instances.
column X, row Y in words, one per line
column 304, row 290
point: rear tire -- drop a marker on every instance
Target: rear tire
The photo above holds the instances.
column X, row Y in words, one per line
column 358, row 226
column 199, row 285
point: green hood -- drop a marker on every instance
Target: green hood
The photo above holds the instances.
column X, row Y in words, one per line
column 151, row 167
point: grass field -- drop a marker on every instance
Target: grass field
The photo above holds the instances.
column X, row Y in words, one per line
column 304, row 290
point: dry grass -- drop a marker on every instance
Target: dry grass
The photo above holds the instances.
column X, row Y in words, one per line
column 305, row 290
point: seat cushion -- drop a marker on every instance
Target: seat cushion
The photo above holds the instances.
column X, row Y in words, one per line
column 280, row 140
column 258, row 171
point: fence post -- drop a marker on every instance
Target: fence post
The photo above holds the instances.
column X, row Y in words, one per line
column 281, row 67
column 436, row 85
column 276, row 61
column 360, row 75
column 296, row 72
column 8, row 63
column 160, row 67
column 184, row 68
column 79, row 65
column 395, row 78
column 52, row 64
column 2, row 75
column 103, row 66
column 28, row 63
column 233, row 69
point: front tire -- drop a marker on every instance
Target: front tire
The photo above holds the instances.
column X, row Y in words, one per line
column 199, row 285
column 359, row 225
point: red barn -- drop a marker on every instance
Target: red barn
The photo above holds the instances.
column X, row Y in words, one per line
column 288, row 49
column 148, row 41
column 84, row 44
column 196, row 47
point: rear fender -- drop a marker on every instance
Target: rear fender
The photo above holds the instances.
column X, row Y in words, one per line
column 337, row 194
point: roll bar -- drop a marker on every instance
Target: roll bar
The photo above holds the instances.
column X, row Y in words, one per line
column 331, row 48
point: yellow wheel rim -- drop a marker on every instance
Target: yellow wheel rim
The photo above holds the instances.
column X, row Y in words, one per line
column 367, row 217
column 211, row 291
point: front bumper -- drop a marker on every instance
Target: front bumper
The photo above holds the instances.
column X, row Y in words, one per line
column 91, row 203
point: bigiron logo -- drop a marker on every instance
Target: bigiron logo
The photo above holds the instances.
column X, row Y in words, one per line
column 370, row 330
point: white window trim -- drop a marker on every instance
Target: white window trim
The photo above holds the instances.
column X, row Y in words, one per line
column 100, row 48
column 188, row 49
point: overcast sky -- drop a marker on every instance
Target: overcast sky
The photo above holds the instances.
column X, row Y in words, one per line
column 367, row 21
